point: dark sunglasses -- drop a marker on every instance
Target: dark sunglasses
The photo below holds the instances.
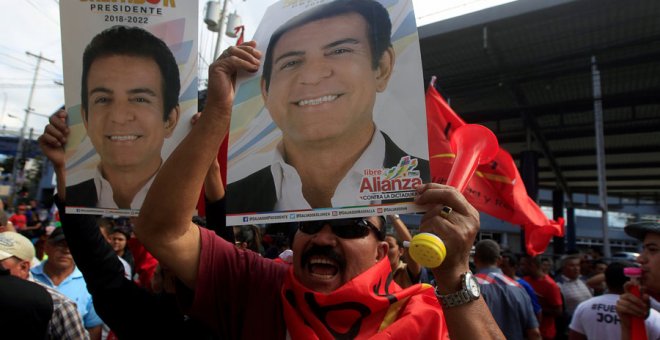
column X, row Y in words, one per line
column 344, row 228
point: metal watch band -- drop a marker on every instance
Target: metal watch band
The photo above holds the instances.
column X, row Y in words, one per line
column 458, row 298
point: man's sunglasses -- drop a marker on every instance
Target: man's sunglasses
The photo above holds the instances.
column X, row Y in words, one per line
column 344, row 228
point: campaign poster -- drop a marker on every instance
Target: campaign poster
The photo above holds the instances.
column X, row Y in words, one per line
column 333, row 124
column 130, row 83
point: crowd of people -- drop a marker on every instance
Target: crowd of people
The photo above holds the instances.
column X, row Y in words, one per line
column 99, row 282
column 171, row 274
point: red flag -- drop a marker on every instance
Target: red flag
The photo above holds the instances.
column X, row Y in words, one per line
column 240, row 37
column 496, row 188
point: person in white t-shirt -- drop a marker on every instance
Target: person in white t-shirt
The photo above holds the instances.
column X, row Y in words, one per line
column 629, row 305
column 596, row 318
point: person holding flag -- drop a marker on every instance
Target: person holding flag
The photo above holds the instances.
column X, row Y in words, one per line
column 339, row 284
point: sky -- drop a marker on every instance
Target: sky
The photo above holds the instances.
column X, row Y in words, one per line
column 34, row 26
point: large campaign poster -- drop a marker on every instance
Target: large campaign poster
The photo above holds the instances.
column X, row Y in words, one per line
column 333, row 124
column 130, row 75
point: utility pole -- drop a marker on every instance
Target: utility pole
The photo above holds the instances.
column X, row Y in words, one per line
column 221, row 22
column 21, row 137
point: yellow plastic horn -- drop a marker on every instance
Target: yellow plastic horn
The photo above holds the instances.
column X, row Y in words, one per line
column 428, row 250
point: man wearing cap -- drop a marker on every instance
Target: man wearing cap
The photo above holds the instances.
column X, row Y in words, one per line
column 596, row 318
column 16, row 253
column 629, row 305
column 60, row 272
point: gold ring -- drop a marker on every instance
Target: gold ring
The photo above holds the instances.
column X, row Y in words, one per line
column 444, row 213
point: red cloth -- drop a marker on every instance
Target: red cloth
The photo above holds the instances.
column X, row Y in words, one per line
column 19, row 221
column 145, row 263
column 549, row 296
column 371, row 306
column 497, row 188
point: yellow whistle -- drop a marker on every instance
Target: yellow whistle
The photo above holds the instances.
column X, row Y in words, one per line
column 428, row 250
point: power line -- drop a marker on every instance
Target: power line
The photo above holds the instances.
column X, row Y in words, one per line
column 40, row 10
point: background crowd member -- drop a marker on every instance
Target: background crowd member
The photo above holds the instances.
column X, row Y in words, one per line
column 16, row 254
column 509, row 265
column 506, row 299
column 119, row 239
column 597, row 281
column 630, row 306
column 596, row 318
column 59, row 271
column 586, row 265
column 573, row 289
column 248, row 237
column 406, row 273
column 548, row 293
column 232, row 288
column 547, row 266
column 18, row 219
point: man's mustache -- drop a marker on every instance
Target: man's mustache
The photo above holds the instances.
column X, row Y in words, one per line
column 326, row 251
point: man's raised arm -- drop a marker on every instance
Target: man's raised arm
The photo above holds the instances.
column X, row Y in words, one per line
column 164, row 225
column 457, row 229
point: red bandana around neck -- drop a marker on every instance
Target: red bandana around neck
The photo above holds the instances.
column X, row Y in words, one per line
column 370, row 306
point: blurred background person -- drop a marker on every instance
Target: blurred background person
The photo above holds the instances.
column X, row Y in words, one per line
column 596, row 318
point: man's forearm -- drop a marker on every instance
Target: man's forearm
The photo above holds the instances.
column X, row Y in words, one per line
column 164, row 225
column 472, row 321
column 60, row 179
column 94, row 256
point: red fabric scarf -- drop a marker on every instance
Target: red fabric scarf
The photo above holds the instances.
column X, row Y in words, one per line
column 371, row 306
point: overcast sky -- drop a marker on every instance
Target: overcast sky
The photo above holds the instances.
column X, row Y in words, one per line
column 33, row 26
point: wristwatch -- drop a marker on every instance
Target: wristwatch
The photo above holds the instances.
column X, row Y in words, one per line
column 470, row 291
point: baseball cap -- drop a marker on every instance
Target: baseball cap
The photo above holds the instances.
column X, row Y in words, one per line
column 56, row 236
column 640, row 229
column 15, row 244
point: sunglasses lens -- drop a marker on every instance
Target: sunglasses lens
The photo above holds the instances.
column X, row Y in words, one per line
column 310, row 227
column 349, row 228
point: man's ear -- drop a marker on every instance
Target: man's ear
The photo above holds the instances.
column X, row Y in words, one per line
column 25, row 268
column 83, row 114
column 382, row 250
column 264, row 91
column 384, row 69
column 172, row 120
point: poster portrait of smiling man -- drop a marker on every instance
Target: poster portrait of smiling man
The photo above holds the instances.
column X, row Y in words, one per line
column 333, row 125
column 131, row 87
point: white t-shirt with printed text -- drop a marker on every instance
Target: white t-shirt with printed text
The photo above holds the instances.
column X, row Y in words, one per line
column 596, row 318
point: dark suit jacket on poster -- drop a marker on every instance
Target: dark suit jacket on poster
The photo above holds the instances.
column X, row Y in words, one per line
column 82, row 194
column 256, row 192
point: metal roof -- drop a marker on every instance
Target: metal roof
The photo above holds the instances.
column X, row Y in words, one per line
column 524, row 69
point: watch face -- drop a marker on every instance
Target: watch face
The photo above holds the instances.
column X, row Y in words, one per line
column 472, row 285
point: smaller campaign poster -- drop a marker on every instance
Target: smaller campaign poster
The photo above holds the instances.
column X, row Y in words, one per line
column 333, row 124
column 130, row 83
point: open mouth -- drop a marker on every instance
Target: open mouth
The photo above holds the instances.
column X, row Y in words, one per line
column 323, row 267
column 317, row 101
column 123, row 138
